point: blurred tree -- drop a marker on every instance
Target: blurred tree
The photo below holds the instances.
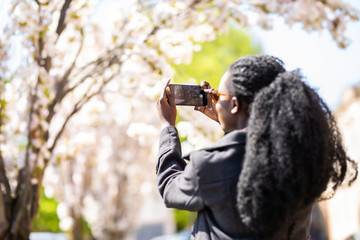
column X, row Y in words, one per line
column 79, row 75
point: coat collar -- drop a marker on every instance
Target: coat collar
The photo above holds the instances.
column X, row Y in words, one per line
column 236, row 137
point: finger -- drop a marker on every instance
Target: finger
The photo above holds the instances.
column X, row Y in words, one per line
column 205, row 84
column 158, row 105
column 208, row 95
column 163, row 93
column 163, row 96
column 207, row 90
column 170, row 96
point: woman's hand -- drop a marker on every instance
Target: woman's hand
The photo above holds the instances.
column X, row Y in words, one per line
column 166, row 107
column 209, row 110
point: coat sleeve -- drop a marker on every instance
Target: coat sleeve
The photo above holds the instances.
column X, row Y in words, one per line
column 177, row 181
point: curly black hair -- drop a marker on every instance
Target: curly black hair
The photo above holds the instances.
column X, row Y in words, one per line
column 294, row 150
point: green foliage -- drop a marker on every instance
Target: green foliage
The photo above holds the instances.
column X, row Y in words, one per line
column 209, row 65
column 211, row 62
column 184, row 219
column 46, row 219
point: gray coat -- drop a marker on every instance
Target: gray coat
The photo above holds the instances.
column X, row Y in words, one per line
column 207, row 184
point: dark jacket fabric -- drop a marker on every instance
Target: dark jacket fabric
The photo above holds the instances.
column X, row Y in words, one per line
column 207, row 184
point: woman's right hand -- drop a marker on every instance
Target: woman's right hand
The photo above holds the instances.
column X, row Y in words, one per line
column 209, row 110
column 166, row 107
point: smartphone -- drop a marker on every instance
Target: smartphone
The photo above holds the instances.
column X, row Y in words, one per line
column 189, row 95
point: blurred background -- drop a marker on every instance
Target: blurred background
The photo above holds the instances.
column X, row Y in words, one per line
column 79, row 81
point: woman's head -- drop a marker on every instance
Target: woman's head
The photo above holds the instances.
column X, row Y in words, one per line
column 293, row 150
column 243, row 79
column 232, row 112
column 249, row 74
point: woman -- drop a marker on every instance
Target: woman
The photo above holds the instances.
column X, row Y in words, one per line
column 280, row 152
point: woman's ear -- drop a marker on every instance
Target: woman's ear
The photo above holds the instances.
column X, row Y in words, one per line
column 235, row 105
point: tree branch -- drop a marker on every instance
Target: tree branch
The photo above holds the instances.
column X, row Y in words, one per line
column 194, row 3
column 4, row 223
column 36, row 190
column 3, row 178
column 76, row 108
column 23, row 181
column 21, row 206
column 98, row 62
column 5, row 182
column 61, row 23
column 60, row 94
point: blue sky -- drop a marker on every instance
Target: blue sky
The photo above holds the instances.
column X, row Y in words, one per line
column 328, row 68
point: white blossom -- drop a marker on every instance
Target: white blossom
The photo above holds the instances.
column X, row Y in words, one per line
column 99, row 141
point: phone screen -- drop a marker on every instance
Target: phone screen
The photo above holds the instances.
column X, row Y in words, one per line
column 188, row 95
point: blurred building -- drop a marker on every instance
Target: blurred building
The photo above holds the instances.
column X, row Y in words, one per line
column 342, row 212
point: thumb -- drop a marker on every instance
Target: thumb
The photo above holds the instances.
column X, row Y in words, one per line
column 170, row 96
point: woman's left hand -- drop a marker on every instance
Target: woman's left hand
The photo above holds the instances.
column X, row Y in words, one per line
column 166, row 107
column 209, row 110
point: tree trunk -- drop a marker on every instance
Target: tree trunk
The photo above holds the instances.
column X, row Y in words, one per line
column 16, row 223
column 77, row 229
